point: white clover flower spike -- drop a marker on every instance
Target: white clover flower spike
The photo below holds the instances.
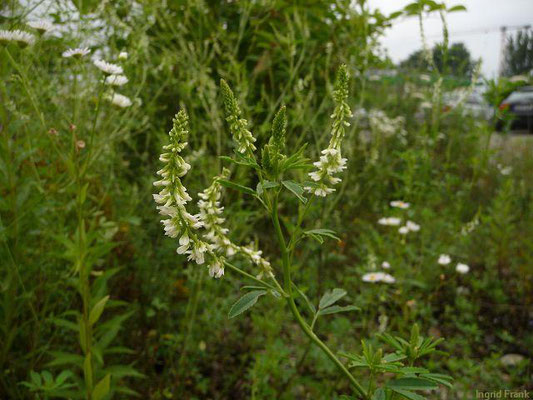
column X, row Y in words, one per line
column 444, row 259
column 462, row 268
column 331, row 161
column 399, row 204
column 217, row 235
column 76, row 53
column 390, row 221
column 374, row 277
column 116, row 80
column 41, row 26
column 22, row 38
column 173, row 198
column 120, row 100
column 242, row 137
column 123, row 55
column 108, row 68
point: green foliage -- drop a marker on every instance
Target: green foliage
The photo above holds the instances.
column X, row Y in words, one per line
column 519, row 53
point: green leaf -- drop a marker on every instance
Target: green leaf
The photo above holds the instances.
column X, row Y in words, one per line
column 331, row 297
column 245, row 302
column 439, row 378
column 61, row 358
column 236, row 186
column 65, row 324
column 97, row 310
column 35, row 378
column 122, row 371
column 379, row 395
column 307, row 301
column 102, row 388
column 408, row 395
column 456, row 8
column 322, row 232
column 337, row 309
column 296, row 189
column 411, row 384
column 262, row 186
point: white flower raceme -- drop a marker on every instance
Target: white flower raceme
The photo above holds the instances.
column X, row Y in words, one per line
column 42, row 26
column 173, row 197
column 242, row 137
column 116, row 80
column 403, row 230
column 76, row 53
column 385, row 265
column 22, row 38
column 374, row 277
column 399, row 204
column 120, row 100
column 123, row 55
column 390, row 221
column 211, row 217
column 331, row 161
column 444, row 259
column 108, row 68
column 462, row 268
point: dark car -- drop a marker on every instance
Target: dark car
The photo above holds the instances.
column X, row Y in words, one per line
column 519, row 105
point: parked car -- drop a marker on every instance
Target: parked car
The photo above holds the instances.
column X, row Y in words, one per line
column 470, row 103
column 519, row 106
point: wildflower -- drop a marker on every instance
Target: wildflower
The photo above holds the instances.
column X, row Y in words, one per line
column 331, row 161
column 78, row 52
column 41, row 26
column 412, row 227
column 80, row 144
column 22, row 38
column 211, row 217
column 462, row 268
column 385, row 265
column 120, row 100
column 173, row 197
column 390, row 221
column 504, row 170
column 404, row 230
column 116, row 80
column 238, row 126
column 108, row 68
column 374, row 277
column 123, row 55
column 399, row 204
column 444, row 259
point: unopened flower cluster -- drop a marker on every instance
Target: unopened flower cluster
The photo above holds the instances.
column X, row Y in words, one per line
column 331, row 161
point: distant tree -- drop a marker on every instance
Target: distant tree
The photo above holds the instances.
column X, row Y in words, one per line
column 519, row 53
column 458, row 62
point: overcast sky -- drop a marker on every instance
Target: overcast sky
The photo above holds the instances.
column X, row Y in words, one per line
column 478, row 28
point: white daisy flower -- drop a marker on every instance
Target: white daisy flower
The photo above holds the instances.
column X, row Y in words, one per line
column 22, row 38
column 413, row 227
column 76, row 53
column 374, row 277
column 123, row 55
column 120, row 100
column 41, row 26
column 116, row 80
column 444, row 259
column 108, row 68
column 399, row 204
column 390, row 221
column 385, row 265
column 462, row 268
column 404, row 230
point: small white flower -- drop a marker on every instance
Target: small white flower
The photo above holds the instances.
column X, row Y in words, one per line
column 76, row 53
column 41, row 26
column 462, row 268
column 374, row 277
column 504, row 170
column 108, row 68
column 404, row 230
column 444, row 259
column 390, row 221
column 411, row 226
column 216, row 269
column 120, row 101
column 22, row 38
column 123, row 55
column 385, row 265
column 399, row 204
column 116, row 80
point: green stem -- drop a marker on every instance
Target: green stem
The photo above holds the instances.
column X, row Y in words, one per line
column 294, row 309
